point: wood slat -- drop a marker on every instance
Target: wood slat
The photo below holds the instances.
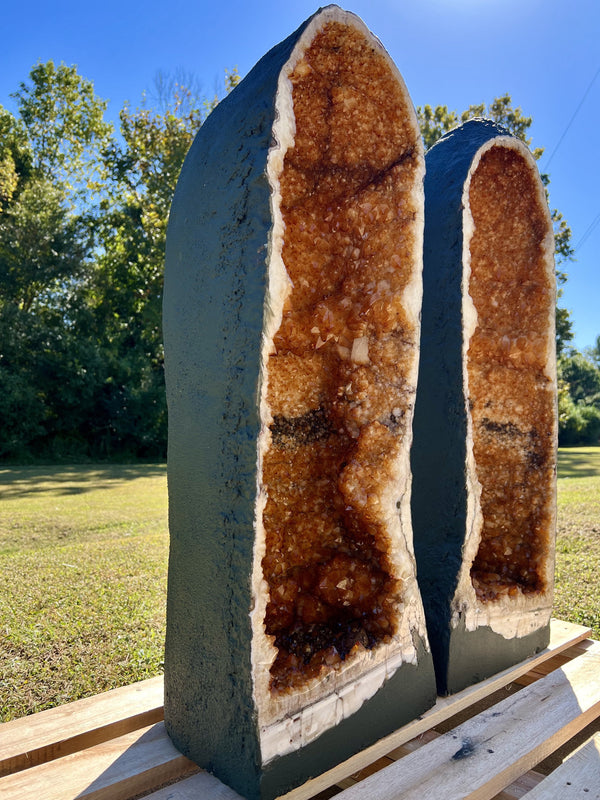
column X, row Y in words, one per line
column 555, row 662
column 479, row 758
column 66, row 729
column 515, row 791
column 201, row 786
column 519, row 788
column 116, row 761
column 563, row 635
column 118, row 769
column 577, row 778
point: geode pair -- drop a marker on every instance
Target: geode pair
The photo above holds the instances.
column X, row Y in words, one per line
column 296, row 632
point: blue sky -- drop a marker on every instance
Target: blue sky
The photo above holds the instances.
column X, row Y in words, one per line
column 545, row 53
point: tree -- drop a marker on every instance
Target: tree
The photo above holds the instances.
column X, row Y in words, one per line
column 578, row 400
column 583, row 379
column 593, row 353
column 83, row 219
column 45, row 256
column 16, row 157
column 43, row 248
column 126, row 289
column 65, row 126
column 435, row 122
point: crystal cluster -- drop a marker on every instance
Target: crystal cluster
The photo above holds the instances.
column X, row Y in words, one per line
column 338, row 377
column 511, row 395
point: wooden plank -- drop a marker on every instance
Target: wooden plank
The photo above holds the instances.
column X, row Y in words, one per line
column 147, row 759
column 515, row 791
column 201, row 786
column 208, row 787
column 66, row 729
column 519, row 788
column 118, row 769
column 577, row 778
column 555, row 662
column 563, row 636
column 479, row 758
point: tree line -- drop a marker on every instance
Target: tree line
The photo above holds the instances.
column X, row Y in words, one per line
column 83, row 216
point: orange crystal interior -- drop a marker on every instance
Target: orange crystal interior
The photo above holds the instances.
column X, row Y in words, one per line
column 511, row 397
column 338, row 386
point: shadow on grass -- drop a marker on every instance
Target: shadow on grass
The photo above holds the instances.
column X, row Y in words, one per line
column 579, row 462
column 71, row 480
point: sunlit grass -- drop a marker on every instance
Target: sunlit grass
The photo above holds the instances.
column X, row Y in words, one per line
column 83, row 556
column 83, row 564
column 577, row 593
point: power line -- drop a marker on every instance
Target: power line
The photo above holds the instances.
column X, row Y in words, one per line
column 582, row 101
column 588, row 232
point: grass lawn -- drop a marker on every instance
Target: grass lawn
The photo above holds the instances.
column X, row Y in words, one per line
column 83, row 560
column 577, row 594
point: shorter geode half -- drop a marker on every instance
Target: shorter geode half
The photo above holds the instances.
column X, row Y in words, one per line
column 485, row 427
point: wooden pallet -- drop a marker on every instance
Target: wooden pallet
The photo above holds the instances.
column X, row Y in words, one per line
column 475, row 744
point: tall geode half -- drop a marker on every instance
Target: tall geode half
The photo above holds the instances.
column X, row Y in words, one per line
column 485, row 427
column 295, row 630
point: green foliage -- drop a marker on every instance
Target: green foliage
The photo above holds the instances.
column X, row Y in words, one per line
column 578, row 400
column 435, row 122
column 16, row 157
column 45, row 253
column 564, row 329
column 65, row 126
column 9, row 179
column 593, row 353
column 42, row 246
column 579, row 424
column 83, row 218
column 583, row 378
column 125, row 290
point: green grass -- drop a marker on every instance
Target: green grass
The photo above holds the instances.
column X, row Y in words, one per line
column 577, row 592
column 83, row 558
column 83, row 562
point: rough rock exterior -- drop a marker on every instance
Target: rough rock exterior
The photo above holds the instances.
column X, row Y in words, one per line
column 295, row 629
column 484, row 456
